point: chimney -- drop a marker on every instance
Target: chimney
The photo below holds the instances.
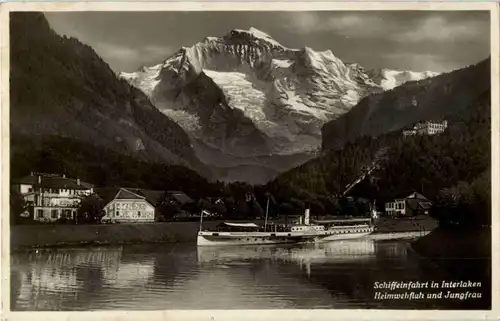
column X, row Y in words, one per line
column 78, row 181
column 306, row 216
column 32, row 174
column 39, row 179
column 63, row 175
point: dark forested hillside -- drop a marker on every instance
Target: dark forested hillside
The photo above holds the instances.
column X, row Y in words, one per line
column 456, row 161
column 61, row 87
column 101, row 166
column 447, row 96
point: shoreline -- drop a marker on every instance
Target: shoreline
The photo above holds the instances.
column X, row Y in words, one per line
column 51, row 236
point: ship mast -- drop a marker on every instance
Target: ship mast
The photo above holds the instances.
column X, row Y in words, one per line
column 201, row 219
column 267, row 213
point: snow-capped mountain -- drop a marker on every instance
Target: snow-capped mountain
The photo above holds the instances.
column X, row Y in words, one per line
column 251, row 101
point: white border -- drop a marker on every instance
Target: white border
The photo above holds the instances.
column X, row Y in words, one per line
column 245, row 314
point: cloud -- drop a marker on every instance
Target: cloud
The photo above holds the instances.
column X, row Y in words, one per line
column 434, row 40
column 396, row 26
column 349, row 24
column 121, row 57
column 439, row 29
column 415, row 61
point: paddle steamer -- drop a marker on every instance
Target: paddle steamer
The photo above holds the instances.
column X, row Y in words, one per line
column 250, row 233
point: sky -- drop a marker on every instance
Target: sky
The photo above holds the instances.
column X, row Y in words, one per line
column 402, row 40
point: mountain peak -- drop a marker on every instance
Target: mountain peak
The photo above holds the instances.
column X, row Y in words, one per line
column 259, row 33
column 254, row 34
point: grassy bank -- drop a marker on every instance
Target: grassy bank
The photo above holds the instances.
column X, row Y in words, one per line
column 31, row 236
column 54, row 235
column 413, row 224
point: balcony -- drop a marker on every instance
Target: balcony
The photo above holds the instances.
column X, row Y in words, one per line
column 51, row 203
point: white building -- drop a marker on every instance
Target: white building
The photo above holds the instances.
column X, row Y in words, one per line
column 427, row 128
column 52, row 196
column 129, row 207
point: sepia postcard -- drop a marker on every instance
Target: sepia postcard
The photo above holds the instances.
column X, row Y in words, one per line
column 253, row 161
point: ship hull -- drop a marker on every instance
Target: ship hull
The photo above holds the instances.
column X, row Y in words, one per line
column 347, row 236
column 256, row 238
column 346, row 233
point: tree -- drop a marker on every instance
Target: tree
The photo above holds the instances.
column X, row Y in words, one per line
column 90, row 209
column 317, row 208
column 465, row 204
column 255, row 210
column 220, row 209
column 17, row 206
column 286, row 208
column 167, row 210
column 242, row 209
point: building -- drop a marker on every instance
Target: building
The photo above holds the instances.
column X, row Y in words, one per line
column 179, row 198
column 427, row 128
column 127, row 206
column 52, row 196
column 410, row 205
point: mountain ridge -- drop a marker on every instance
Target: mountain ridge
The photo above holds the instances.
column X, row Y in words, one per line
column 60, row 86
column 445, row 96
column 282, row 96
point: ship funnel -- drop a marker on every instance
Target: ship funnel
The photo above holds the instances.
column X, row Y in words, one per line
column 306, row 216
column 374, row 211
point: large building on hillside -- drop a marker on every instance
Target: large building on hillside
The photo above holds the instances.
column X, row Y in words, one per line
column 52, row 196
column 427, row 128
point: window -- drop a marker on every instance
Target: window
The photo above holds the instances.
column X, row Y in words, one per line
column 139, row 213
column 39, row 213
column 66, row 214
column 117, row 213
column 53, row 214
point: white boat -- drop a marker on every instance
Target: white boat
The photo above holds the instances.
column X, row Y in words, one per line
column 249, row 233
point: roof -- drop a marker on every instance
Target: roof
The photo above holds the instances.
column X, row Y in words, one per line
column 54, row 181
column 124, row 194
column 241, row 224
column 110, row 193
column 180, row 197
column 414, row 204
column 410, row 195
column 152, row 196
column 425, row 205
column 418, row 196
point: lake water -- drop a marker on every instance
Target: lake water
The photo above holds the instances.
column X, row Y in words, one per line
column 338, row 275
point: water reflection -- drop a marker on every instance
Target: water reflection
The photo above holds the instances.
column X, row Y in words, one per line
column 330, row 275
column 319, row 253
column 48, row 279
